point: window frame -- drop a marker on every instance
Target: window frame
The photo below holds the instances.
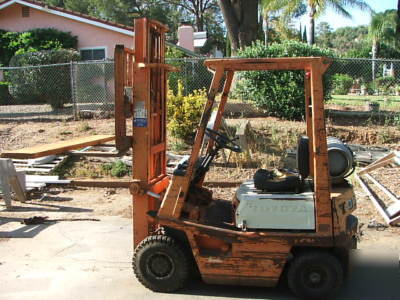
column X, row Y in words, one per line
column 25, row 12
column 95, row 48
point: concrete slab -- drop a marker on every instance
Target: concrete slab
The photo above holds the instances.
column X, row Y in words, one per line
column 92, row 260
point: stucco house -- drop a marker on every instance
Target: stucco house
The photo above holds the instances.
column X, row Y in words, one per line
column 96, row 38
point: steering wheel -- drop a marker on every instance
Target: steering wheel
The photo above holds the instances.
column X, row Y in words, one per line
column 222, row 140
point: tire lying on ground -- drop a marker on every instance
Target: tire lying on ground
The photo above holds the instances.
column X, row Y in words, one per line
column 161, row 264
column 315, row 275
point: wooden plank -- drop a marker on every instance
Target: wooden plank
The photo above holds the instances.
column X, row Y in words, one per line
column 375, row 166
column 101, row 183
column 394, row 210
column 94, row 154
column 58, row 147
column 50, row 166
column 40, row 178
column 4, row 184
column 42, row 170
column 46, row 179
column 30, row 185
column 383, row 188
column 9, row 181
column 16, row 186
column 373, row 199
column 386, row 157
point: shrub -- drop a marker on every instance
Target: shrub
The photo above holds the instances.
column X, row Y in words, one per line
column 342, row 84
column 51, row 84
column 386, row 85
column 5, row 97
column 281, row 93
column 119, row 169
column 34, row 40
column 184, row 112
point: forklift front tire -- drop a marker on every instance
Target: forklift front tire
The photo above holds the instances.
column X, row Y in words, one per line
column 315, row 275
column 161, row 264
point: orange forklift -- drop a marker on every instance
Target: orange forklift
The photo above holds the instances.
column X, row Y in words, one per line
column 297, row 229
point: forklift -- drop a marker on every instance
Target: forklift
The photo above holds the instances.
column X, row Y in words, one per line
column 298, row 229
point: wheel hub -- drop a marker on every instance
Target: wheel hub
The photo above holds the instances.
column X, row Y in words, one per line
column 315, row 277
column 160, row 265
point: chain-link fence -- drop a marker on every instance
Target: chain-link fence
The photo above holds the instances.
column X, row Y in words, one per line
column 36, row 92
column 77, row 89
column 373, row 84
column 93, row 89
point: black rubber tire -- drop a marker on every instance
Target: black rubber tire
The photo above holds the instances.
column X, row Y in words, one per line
column 303, row 157
column 321, row 267
column 161, row 264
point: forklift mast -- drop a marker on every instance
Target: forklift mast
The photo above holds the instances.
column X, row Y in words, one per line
column 140, row 102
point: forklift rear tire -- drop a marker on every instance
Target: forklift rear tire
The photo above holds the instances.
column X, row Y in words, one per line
column 315, row 275
column 161, row 264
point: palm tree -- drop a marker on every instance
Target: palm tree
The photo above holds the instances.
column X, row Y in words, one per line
column 318, row 7
column 287, row 9
column 382, row 29
column 398, row 19
column 315, row 8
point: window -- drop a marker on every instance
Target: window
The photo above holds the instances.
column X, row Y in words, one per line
column 93, row 54
column 25, row 11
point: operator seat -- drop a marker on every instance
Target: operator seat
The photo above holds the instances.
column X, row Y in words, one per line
column 264, row 179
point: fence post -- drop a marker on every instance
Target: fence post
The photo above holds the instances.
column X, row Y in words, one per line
column 73, row 94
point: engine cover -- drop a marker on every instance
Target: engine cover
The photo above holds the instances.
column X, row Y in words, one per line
column 258, row 210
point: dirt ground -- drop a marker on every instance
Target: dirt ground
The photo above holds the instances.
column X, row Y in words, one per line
column 66, row 202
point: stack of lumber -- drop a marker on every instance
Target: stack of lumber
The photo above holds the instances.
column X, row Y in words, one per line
column 39, row 181
column 42, row 165
column 383, row 196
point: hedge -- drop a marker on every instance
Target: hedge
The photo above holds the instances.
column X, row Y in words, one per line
column 13, row 43
column 5, row 97
column 281, row 93
column 50, row 84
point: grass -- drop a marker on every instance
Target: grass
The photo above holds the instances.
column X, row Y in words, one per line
column 386, row 102
column 83, row 168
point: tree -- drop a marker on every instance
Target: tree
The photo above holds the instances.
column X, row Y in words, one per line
column 241, row 20
column 382, row 29
column 197, row 8
column 279, row 14
column 324, row 35
column 398, row 19
column 317, row 7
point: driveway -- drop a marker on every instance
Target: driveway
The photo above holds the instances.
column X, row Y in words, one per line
column 92, row 260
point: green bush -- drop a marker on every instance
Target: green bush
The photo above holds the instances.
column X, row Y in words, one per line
column 342, row 84
column 281, row 93
column 5, row 97
column 51, row 84
column 386, row 85
column 184, row 112
column 34, row 40
column 117, row 169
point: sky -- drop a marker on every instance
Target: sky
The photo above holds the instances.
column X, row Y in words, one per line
column 359, row 17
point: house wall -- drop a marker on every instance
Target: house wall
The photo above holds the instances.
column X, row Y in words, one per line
column 89, row 36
